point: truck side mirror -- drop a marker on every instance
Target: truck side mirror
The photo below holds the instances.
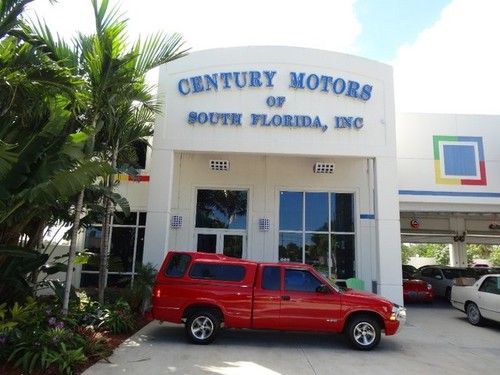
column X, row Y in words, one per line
column 322, row 289
column 439, row 277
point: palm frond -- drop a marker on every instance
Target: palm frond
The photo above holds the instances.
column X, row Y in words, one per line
column 67, row 183
column 10, row 10
column 158, row 49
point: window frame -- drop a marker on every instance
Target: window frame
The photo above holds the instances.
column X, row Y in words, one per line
column 303, row 232
column 137, row 226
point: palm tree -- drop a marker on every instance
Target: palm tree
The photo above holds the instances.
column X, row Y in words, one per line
column 121, row 99
column 122, row 106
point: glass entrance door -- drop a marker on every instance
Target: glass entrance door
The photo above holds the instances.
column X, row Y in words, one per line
column 221, row 222
column 207, row 243
column 232, row 245
column 222, row 242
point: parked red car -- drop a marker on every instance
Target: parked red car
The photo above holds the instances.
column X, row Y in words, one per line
column 416, row 290
column 205, row 290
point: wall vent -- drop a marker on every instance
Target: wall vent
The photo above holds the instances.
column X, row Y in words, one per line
column 176, row 222
column 264, row 224
column 324, row 167
column 219, row 165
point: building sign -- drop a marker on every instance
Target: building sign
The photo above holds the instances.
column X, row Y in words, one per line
column 297, row 81
column 459, row 160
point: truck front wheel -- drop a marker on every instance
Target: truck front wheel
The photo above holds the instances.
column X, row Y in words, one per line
column 363, row 332
column 202, row 326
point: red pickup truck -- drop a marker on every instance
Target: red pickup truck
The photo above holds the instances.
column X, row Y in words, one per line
column 204, row 291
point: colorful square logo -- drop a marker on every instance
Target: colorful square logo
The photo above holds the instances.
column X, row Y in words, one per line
column 459, row 160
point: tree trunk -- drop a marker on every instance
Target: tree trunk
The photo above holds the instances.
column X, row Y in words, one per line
column 72, row 252
column 106, row 230
column 104, row 257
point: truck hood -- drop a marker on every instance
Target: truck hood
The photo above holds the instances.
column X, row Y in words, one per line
column 366, row 296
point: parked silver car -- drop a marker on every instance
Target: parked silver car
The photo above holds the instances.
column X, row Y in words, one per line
column 441, row 277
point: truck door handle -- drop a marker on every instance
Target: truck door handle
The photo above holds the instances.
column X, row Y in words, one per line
column 285, row 298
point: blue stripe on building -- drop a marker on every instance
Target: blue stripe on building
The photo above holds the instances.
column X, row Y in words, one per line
column 450, row 193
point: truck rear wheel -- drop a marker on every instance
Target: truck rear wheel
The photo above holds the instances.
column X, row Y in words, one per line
column 473, row 314
column 363, row 332
column 202, row 326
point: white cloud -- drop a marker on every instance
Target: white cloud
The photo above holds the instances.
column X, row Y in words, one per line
column 325, row 24
column 453, row 66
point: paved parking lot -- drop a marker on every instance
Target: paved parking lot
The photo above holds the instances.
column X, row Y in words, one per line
column 436, row 339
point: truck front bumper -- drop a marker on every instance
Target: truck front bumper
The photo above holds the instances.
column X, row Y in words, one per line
column 396, row 320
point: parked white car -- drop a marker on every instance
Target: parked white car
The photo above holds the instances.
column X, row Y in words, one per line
column 479, row 301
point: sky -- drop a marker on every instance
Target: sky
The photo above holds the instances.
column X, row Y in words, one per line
column 444, row 53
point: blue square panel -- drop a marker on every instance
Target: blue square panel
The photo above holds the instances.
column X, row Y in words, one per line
column 459, row 160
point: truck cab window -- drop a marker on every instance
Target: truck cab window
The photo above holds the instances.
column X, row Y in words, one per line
column 271, row 278
column 300, row 281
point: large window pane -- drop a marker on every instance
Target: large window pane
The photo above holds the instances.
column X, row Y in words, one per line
column 140, row 247
column 221, row 209
column 114, row 280
column 342, row 212
column 122, row 249
column 290, row 247
column 121, row 219
column 142, row 218
column 317, row 251
column 343, row 255
column 93, row 245
column 290, row 210
column 317, row 212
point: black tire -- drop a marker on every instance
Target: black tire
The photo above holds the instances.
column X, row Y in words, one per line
column 363, row 332
column 473, row 314
column 202, row 326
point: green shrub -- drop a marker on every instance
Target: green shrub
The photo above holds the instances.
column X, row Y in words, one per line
column 64, row 359
column 142, row 287
column 118, row 318
column 37, row 338
column 96, row 346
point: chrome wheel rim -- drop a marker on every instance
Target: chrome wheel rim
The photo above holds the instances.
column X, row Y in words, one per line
column 473, row 314
column 202, row 327
column 364, row 333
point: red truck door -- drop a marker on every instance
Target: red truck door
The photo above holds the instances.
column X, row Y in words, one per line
column 303, row 307
column 267, row 298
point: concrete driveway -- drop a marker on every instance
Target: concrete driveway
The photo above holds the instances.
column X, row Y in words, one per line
column 436, row 339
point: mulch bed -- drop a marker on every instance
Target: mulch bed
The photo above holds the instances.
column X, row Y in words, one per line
column 113, row 339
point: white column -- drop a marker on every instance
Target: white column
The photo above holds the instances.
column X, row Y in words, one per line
column 461, row 245
column 159, row 203
column 388, row 229
column 454, row 256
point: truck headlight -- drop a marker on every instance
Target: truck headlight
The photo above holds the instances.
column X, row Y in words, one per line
column 429, row 286
column 398, row 313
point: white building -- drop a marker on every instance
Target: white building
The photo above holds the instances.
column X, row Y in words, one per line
column 279, row 153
